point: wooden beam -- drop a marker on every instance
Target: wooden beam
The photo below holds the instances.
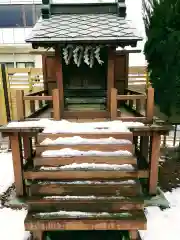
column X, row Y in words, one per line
column 113, row 103
column 17, row 163
column 110, row 75
column 56, row 104
column 20, row 105
column 150, row 104
column 59, row 76
column 154, row 162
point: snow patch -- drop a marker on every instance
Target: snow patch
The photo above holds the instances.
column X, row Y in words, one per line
column 78, row 214
column 6, row 171
column 128, row 182
column 67, row 197
column 12, row 224
column 79, row 140
column 91, row 166
column 68, row 152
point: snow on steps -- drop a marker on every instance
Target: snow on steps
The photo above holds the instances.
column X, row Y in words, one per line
column 64, row 220
column 85, row 204
column 48, row 160
column 86, row 147
column 85, row 173
column 120, row 188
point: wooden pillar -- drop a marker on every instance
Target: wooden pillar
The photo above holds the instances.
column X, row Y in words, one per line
column 59, row 76
column 144, row 147
column 44, row 69
column 37, row 235
column 17, row 163
column 126, row 70
column 113, row 103
column 154, row 162
column 150, row 104
column 110, row 76
column 20, row 105
column 133, row 234
column 56, row 104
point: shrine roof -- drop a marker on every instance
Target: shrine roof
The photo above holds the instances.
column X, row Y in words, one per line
column 82, row 23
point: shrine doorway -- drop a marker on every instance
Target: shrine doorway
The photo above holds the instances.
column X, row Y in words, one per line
column 85, row 87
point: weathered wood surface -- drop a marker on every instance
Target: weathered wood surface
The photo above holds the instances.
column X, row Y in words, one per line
column 87, row 147
column 93, row 135
column 58, row 161
column 137, row 221
column 96, row 189
column 84, row 174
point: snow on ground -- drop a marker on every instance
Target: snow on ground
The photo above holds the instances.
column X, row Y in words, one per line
column 164, row 224
column 11, row 221
column 6, row 171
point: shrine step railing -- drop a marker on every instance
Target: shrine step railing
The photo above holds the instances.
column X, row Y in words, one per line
column 39, row 102
column 140, row 104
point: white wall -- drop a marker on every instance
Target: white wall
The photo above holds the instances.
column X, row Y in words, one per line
column 134, row 13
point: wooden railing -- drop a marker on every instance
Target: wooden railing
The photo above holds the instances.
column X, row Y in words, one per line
column 142, row 104
column 42, row 100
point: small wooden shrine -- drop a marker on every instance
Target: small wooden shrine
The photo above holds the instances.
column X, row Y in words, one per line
column 86, row 65
column 85, row 70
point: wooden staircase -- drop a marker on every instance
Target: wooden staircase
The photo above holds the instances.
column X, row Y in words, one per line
column 89, row 199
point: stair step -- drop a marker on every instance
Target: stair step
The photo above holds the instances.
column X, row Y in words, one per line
column 116, row 135
column 124, row 220
column 123, row 187
column 55, row 173
column 86, row 147
column 85, row 204
column 57, row 161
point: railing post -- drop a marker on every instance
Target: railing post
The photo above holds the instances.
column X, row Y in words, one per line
column 150, row 104
column 154, row 162
column 20, row 105
column 113, row 105
column 56, row 104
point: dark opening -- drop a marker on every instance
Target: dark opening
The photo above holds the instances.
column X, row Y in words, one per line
column 85, row 87
column 87, row 235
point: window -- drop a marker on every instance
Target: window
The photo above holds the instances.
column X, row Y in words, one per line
column 11, row 16
column 19, row 15
column 28, row 14
column 25, row 64
column 8, row 64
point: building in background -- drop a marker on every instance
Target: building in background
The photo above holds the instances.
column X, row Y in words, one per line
column 17, row 18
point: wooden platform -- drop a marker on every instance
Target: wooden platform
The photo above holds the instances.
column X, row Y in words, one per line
column 124, row 113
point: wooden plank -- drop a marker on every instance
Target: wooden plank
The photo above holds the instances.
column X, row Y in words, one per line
column 137, row 221
column 17, row 164
column 131, row 97
column 57, row 161
column 116, row 135
column 102, row 188
column 86, row 147
column 85, row 114
column 132, row 119
column 40, row 98
column 154, row 162
column 91, row 205
column 84, row 175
